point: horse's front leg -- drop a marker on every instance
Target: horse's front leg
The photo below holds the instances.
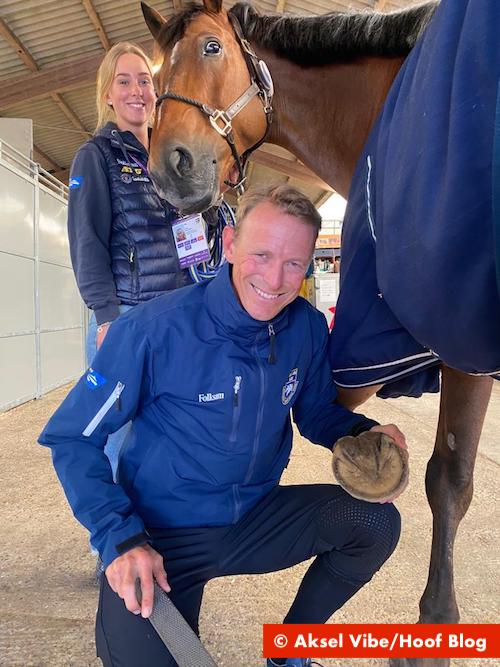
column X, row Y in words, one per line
column 449, row 483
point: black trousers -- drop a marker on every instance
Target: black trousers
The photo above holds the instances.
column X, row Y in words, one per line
column 351, row 539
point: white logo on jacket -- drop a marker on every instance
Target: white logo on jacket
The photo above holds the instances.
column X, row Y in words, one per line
column 206, row 398
column 290, row 387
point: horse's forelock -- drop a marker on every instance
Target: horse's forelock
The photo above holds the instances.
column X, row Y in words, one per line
column 174, row 29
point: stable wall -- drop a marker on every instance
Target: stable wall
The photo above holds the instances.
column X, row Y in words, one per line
column 42, row 320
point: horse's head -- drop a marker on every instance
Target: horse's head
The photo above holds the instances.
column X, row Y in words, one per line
column 195, row 149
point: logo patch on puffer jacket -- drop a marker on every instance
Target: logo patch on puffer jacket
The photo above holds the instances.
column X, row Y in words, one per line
column 290, row 387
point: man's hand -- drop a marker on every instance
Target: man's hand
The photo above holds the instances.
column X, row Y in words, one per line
column 393, row 432
column 141, row 563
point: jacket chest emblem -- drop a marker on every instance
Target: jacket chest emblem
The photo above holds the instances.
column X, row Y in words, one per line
column 290, row 387
column 209, row 397
column 131, row 172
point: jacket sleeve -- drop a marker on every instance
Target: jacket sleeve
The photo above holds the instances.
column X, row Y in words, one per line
column 106, row 397
column 315, row 412
column 89, row 229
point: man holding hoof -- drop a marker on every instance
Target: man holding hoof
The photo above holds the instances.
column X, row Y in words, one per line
column 210, row 375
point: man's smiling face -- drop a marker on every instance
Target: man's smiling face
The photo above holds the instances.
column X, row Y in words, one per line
column 270, row 254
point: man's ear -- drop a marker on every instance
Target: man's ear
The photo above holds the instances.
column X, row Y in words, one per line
column 228, row 241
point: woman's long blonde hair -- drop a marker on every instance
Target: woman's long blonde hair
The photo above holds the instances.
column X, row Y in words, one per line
column 105, row 75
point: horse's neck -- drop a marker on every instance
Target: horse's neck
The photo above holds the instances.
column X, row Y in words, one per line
column 323, row 114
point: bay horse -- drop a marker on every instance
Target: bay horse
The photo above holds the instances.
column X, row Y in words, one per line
column 337, row 91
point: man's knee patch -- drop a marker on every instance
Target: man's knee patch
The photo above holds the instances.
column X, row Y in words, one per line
column 362, row 534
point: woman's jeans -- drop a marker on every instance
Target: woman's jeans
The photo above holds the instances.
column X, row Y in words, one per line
column 115, row 440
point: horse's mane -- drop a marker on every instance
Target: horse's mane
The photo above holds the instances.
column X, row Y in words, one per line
column 318, row 40
column 337, row 36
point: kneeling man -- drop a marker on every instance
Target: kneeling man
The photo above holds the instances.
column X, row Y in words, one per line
column 210, row 375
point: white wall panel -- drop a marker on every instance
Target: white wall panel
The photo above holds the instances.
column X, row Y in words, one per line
column 18, row 370
column 17, row 213
column 60, row 304
column 18, row 132
column 53, row 236
column 17, row 283
column 61, row 357
column 42, row 321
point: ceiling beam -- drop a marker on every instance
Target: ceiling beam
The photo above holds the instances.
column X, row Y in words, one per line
column 70, row 114
column 14, row 42
column 57, row 78
column 29, row 61
column 40, row 156
column 288, row 167
column 97, row 23
column 323, row 197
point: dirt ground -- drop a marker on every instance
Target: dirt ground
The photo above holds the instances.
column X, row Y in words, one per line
column 47, row 584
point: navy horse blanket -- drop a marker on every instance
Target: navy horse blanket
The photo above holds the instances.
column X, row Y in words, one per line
column 420, row 278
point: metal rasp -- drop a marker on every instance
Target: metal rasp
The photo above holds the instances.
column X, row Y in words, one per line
column 184, row 645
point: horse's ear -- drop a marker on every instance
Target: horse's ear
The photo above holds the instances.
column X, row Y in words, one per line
column 213, row 6
column 154, row 19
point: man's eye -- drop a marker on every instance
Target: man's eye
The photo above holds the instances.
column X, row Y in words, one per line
column 212, row 48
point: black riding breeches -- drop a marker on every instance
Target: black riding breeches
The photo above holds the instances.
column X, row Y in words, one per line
column 351, row 539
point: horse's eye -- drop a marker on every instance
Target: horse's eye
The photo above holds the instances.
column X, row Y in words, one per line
column 212, row 48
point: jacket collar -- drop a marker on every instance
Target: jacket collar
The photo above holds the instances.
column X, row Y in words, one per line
column 126, row 141
column 229, row 315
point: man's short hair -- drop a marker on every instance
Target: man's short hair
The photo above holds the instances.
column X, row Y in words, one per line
column 288, row 199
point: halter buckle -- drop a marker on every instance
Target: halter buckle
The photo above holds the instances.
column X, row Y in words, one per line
column 226, row 128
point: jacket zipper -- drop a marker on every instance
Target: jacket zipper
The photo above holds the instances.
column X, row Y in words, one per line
column 237, row 502
column 133, row 268
column 236, row 407
column 272, row 344
column 260, row 414
column 131, row 259
column 114, row 399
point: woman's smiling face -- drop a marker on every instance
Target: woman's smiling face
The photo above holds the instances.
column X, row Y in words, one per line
column 132, row 94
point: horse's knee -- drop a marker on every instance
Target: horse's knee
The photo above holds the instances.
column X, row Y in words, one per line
column 449, row 474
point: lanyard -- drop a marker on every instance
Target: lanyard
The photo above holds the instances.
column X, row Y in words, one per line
column 140, row 164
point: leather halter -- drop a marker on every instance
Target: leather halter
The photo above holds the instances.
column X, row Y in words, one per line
column 261, row 85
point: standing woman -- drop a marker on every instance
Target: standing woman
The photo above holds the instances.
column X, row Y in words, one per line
column 120, row 231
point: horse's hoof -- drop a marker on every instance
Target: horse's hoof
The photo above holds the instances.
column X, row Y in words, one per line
column 370, row 467
column 419, row 662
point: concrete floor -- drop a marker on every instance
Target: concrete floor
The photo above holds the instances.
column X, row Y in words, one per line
column 46, row 577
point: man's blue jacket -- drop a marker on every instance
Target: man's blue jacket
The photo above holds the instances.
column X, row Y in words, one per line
column 209, row 390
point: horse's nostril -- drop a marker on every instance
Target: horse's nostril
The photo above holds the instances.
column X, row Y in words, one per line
column 181, row 161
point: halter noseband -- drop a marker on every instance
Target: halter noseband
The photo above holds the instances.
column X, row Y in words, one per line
column 221, row 121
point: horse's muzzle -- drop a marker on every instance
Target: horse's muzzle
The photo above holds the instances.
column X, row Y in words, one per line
column 188, row 184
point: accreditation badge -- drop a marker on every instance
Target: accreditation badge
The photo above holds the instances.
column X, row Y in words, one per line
column 190, row 240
